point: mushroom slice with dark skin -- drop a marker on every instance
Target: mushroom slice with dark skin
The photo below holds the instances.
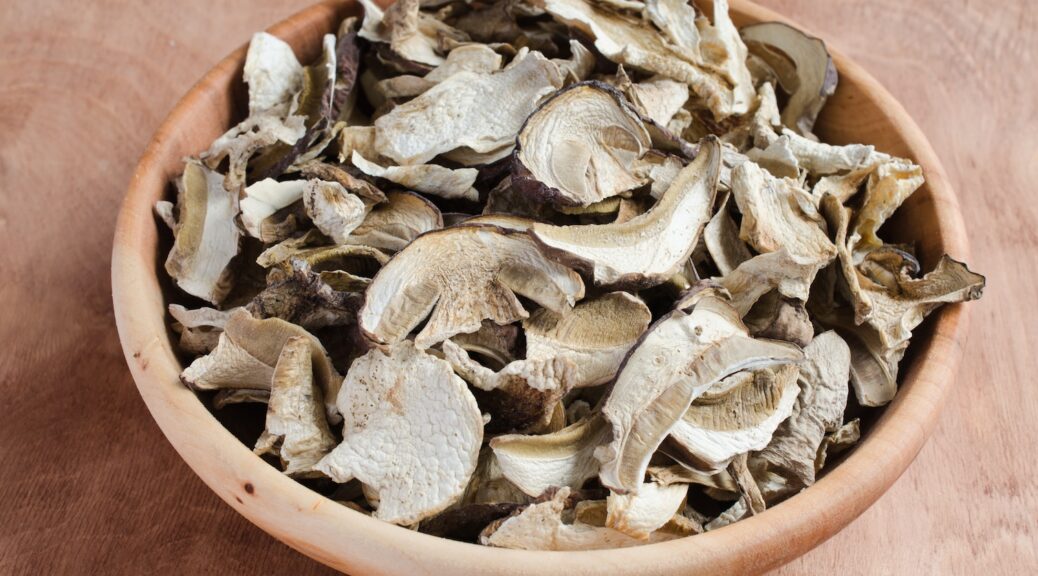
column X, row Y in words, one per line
column 462, row 276
column 680, row 358
column 297, row 294
column 296, row 428
column 199, row 329
column 396, row 405
column 205, row 237
column 580, row 147
column 393, row 225
column 803, row 66
column 650, row 248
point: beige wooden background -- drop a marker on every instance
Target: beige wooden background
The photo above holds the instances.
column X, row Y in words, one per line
column 89, row 485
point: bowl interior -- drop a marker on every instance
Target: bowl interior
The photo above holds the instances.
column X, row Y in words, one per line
column 860, row 111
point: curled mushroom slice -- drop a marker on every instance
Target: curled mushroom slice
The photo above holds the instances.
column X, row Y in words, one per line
column 660, row 99
column 299, row 295
column 205, row 237
column 494, row 345
column 482, row 112
column 335, row 173
column 649, row 248
column 837, row 442
column 393, row 225
column 803, row 66
column 397, row 405
column 333, row 210
column 535, row 463
column 721, row 236
column 409, row 33
column 476, row 58
column 428, row 178
column 263, row 199
column 639, row 515
column 199, row 329
column 682, row 356
column 463, row 275
column 817, row 411
column 741, row 418
column 247, row 352
column 680, row 474
column 888, row 186
column 581, row 146
column 766, row 272
column 296, row 429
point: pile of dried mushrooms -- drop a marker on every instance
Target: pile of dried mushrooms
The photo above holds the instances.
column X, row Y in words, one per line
column 553, row 275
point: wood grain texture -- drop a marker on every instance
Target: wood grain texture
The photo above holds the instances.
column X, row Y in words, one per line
column 89, row 485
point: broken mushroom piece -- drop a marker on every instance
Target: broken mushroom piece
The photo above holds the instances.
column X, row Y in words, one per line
column 428, row 178
column 681, row 357
column 333, row 210
column 580, row 147
column 297, row 294
column 205, row 237
column 649, row 248
column 296, row 429
column 639, row 515
column 393, row 225
column 199, row 329
column 462, row 276
column 263, row 199
column 396, row 405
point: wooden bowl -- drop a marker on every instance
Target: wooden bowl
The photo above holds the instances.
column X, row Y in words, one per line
column 860, row 111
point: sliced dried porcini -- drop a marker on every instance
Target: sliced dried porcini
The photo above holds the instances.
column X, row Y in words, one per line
column 494, row 345
column 410, row 34
column 837, row 442
column 639, row 515
column 273, row 75
column 411, row 433
column 803, row 66
column 296, row 428
column 393, row 225
column 346, row 268
column 247, row 352
column 682, row 356
column 336, row 173
column 462, row 276
column 359, row 139
column 205, row 236
column 428, row 178
column 740, row 417
column 297, row 294
column 721, row 236
column 650, row 248
column 476, row 58
column 535, row 463
column 581, row 146
column 263, row 199
column 199, row 329
column 482, row 112
column 766, row 272
column 680, row 474
column 818, row 410
column 660, row 99
column 228, row 396
column 889, row 185
column 333, row 210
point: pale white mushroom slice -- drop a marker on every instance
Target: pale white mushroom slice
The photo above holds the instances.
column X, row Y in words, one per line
column 818, row 410
column 428, row 178
column 273, row 75
column 659, row 98
column 247, row 352
column 199, row 329
column 888, row 186
column 778, row 159
column 650, row 248
column 410, row 34
column 262, row 199
column 477, row 58
column 677, row 20
column 482, row 112
column 639, row 515
column 359, row 139
column 462, row 276
column 395, row 224
column 296, row 428
column 411, row 433
column 535, row 463
column 740, row 419
column 205, row 237
column 723, row 51
column 581, row 146
column 682, row 356
column 333, row 210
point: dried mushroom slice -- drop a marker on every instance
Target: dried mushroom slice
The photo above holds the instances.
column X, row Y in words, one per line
column 396, row 406
column 803, row 66
column 462, row 276
column 297, row 294
column 205, row 237
column 262, row 200
column 535, row 463
column 296, row 428
column 248, row 351
column 650, row 248
column 721, row 236
column 817, row 411
column 475, row 58
column 333, row 210
column 482, row 112
column 659, row 99
column 680, row 474
column 582, row 146
column 839, row 441
column 682, row 356
column 410, row 34
column 395, row 224
column 428, row 178
column 336, row 173
column 639, row 515
column 199, row 329
column 495, row 345
column 888, row 186
column 741, row 418
column 763, row 273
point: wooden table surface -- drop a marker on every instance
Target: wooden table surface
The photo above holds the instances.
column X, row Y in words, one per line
column 88, row 484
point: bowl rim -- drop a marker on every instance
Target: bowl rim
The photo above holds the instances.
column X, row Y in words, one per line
column 347, row 540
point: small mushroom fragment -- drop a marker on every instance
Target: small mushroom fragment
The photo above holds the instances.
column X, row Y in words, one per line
column 836, row 442
column 803, row 66
column 328, row 172
column 301, row 296
column 463, row 275
column 482, row 112
column 535, row 463
column 334, row 211
column 763, row 273
column 260, row 201
column 205, row 237
column 199, row 329
column 495, row 345
column 296, row 428
column 465, row 522
column 817, row 411
column 476, row 58
column 680, row 474
column 428, row 178
column 580, row 147
column 681, row 357
column 639, row 515
column 396, row 406
column 409, row 33
column 650, row 248
column 739, row 417
column 721, row 236
column 660, row 99
column 393, row 225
